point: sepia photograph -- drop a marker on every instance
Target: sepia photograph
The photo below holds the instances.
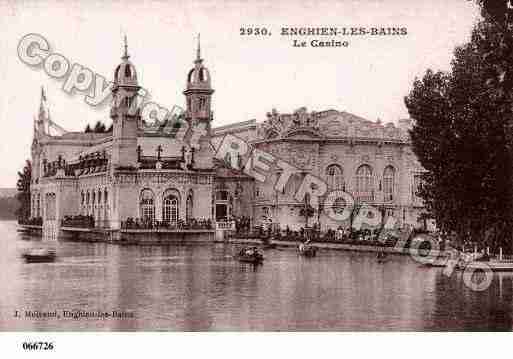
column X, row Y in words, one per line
column 239, row 166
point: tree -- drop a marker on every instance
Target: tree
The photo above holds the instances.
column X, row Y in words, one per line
column 99, row 127
column 461, row 137
column 88, row 129
column 23, row 195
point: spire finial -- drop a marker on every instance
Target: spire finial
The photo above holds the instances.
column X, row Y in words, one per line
column 198, row 50
column 125, row 55
column 43, row 96
column 42, row 101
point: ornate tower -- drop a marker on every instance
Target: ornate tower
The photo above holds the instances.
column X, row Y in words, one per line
column 40, row 126
column 198, row 96
column 42, row 116
column 124, row 113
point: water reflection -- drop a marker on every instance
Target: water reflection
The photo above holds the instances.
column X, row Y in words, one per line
column 201, row 287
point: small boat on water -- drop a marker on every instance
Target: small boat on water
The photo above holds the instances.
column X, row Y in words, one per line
column 250, row 255
column 39, row 255
column 436, row 263
column 307, row 250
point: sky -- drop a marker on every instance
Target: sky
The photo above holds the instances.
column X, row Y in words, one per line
column 250, row 74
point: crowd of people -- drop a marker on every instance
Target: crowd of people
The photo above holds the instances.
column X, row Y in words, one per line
column 32, row 221
column 314, row 233
column 193, row 223
column 242, row 224
column 80, row 221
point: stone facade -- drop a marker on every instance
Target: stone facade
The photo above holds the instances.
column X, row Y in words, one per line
column 371, row 161
column 130, row 172
column 134, row 172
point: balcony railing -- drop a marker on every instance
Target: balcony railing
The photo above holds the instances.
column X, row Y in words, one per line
column 225, row 225
column 191, row 224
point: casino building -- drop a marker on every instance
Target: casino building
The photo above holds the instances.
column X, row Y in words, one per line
column 135, row 172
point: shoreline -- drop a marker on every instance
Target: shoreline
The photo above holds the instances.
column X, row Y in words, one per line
column 144, row 237
column 320, row 245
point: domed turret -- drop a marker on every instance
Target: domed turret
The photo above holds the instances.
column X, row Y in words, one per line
column 198, row 77
column 198, row 95
column 125, row 74
column 125, row 115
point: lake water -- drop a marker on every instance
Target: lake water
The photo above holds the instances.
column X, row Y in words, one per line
column 201, row 288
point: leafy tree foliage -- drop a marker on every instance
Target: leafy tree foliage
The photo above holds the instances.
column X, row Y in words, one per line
column 462, row 138
column 99, row 127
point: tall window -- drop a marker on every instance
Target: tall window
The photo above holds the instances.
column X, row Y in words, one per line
column 335, row 177
column 106, row 206
column 189, row 204
column 364, row 185
column 50, row 206
column 170, row 208
column 147, row 205
column 417, row 182
column 100, row 207
column 93, row 204
column 388, row 183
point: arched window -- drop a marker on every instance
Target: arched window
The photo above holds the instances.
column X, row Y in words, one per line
column 106, row 206
column 364, row 185
column 147, row 205
column 230, row 206
column 189, row 205
column 170, row 207
column 388, row 183
column 99, row 196
column 334, row 177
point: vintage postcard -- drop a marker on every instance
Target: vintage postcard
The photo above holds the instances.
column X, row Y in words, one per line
column 235, row 166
